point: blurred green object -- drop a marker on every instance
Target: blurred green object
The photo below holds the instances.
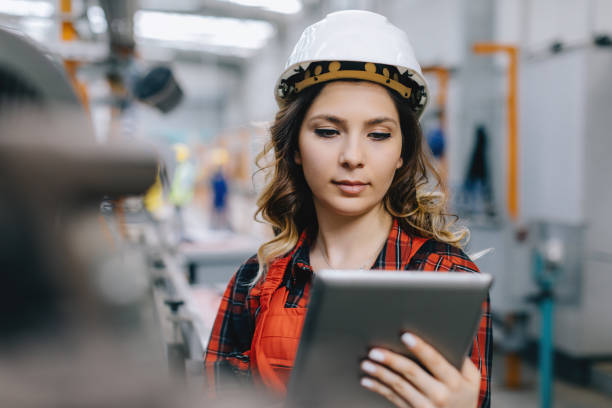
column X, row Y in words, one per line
column 181, row 188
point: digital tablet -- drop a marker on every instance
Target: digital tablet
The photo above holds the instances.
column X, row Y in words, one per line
column 352, row 311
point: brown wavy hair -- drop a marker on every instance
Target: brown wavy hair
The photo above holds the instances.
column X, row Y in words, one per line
column 286, row 200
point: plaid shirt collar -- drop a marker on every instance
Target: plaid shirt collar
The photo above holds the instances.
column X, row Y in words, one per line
column 301, row 257
column 300, row 262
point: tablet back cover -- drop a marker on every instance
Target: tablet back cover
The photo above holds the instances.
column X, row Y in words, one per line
column 353, row 311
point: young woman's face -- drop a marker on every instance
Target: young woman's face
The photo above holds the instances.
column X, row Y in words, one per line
column 350, row 145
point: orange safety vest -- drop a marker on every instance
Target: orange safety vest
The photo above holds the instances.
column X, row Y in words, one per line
column 278, row 329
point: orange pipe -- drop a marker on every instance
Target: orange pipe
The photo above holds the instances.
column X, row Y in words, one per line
column 512, row 107
column 68, row 31
column 80, row 88
column 106, row 229
column 120, row 211
column 65, row 6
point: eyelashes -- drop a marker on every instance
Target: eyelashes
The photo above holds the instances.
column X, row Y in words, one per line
column 328, row 133
column 379, row 135
column 323, row 132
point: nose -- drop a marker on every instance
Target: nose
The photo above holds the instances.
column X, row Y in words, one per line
column 352, row 154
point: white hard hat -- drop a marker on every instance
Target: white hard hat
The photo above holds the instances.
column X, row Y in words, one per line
column 354, row 44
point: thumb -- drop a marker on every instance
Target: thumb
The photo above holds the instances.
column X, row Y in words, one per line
column 470, row 371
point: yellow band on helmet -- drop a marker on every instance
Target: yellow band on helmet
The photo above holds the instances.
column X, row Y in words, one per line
column 390, row 76
column 404, row 91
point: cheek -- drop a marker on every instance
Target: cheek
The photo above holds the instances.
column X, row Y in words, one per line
column 388, row 164
column 311, row 159
column 387, row 170
column 314, row 164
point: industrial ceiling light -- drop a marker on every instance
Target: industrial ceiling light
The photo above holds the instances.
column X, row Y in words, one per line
column 23, row 8
column 202, row 31
column 277, row 6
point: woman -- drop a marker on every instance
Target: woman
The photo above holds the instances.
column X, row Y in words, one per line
column 349, row 164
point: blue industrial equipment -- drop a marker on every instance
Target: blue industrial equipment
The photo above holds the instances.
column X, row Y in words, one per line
column 544, row 274
column 556, row 271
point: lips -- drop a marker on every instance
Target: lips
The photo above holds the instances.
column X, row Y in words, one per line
column 351, row 187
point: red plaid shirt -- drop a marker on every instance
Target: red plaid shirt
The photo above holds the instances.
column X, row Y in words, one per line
column 227, row 358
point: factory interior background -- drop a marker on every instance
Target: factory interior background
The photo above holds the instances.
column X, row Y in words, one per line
column 111, row 270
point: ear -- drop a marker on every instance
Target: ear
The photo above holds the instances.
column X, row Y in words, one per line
column 400, row 163
column 297, row 158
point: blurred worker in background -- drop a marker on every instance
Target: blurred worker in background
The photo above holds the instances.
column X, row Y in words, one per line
column 477, row 192
column 218, row 183
column 154, row 197
column 181, row 189
column 435, row 137
column 348, row 191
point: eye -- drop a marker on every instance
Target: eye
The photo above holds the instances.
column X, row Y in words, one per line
column 379, row 135
column 324, row 132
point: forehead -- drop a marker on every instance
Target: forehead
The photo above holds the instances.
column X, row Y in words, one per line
column 361, row 98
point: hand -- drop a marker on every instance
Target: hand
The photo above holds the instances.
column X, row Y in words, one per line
column 403, row 382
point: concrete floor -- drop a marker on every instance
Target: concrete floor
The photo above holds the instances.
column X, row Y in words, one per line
column 565, row 395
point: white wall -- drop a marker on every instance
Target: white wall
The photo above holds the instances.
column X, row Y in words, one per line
column 535, row 24
column 434, row 28
column 259, row 81
column 597, row 193
column 597, row 196
column 552, row 127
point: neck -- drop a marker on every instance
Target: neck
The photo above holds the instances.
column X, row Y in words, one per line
column 351, row 242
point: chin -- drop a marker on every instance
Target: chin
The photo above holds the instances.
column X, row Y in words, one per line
column 351, row 207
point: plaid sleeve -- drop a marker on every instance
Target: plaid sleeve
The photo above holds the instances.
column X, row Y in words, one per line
column 439, row 256
column 227, row 358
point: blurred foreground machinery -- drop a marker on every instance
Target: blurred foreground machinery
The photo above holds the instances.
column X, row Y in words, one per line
column 77, row 306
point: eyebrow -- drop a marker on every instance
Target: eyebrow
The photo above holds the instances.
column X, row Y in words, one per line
column 339, row 121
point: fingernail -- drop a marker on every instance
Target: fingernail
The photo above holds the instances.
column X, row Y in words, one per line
column 368, row 367
column 366, row 382
column 408, row 339
column 376, row 355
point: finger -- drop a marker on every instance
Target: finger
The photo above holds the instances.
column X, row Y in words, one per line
column 470, row 371
column 432, row 360
column 410, row 370
column 386, row 392
column 396, row 383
